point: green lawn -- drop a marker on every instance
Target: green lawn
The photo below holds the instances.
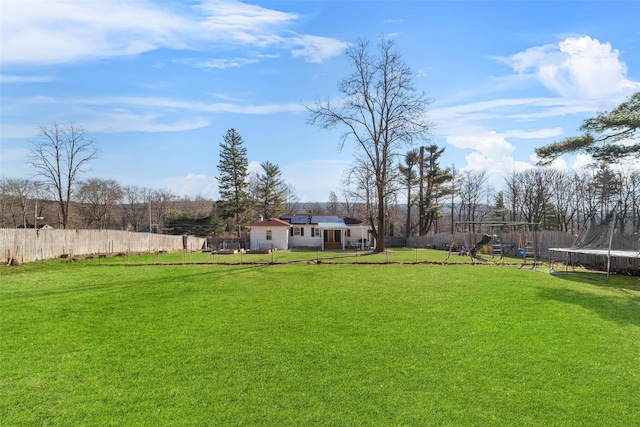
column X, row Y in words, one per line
column 400, row 255
column 98, row 342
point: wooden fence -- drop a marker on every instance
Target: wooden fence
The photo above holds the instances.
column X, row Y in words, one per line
column 25, row 245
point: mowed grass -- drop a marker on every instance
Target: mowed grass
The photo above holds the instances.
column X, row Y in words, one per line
column 349, row 256
column 316, row 344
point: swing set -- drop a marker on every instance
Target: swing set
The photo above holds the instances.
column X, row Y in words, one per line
column 492, row 241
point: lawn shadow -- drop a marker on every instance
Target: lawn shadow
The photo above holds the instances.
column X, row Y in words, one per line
column 623, row 309
column 598, row 278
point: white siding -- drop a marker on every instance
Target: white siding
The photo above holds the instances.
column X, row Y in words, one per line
column 306, row 240
column 357, row 232
column 279, row 238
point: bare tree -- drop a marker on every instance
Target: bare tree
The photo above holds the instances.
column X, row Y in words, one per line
column 16, row 195
column 360, row 191
column 631, row 198
column 381, row 112
column 587, row 196
column 562, row 197
column 98, row 198
column 349, row 202
column 291, row 198
column 473, row 191
column 629, row 193
column 59, row 154
column 513, row 195
column 159, row 204
column 134, row 206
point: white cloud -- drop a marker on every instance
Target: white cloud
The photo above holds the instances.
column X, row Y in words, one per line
column 219, row 63
column 254, row 167
column 241, row 21
column 497, row 167
column 559, row 163
column 130, row 113
column 536, row 134
column 47, row 32
column 490, row 145
column 224, row 63
column 121, row 121
column 317, row 49
column 193, row 185
column 172, row 104
column 4, row 78
column 580, row 67
column 588, row 76
column 51, row 32
column 490, row 152
column 581, row 162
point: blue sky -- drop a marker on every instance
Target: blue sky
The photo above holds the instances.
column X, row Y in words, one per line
column 157, row 83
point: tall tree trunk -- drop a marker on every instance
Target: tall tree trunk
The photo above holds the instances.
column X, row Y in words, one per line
column 380, row 232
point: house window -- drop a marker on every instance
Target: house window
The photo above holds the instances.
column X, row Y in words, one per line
column 269, row 235
column 348, row 232
column 296, row 231
column 315, row 231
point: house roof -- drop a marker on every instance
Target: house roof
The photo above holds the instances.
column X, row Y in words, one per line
column 325, row 220
column 316, row 219
column 352, row 221
column 271, row 222
column 296, row 219
column 332, row 225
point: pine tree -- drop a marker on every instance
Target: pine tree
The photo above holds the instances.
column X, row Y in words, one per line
column 233, row 184
column 332, row 205
column 432, row 188
column 269, row 191
column 409, row 178
column 609, row 137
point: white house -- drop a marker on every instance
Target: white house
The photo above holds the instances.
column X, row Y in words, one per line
column 272, row 233
column 326, row 232
column 310, row 231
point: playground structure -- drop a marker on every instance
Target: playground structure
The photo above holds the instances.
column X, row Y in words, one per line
column 598, row 240
column 492, row 242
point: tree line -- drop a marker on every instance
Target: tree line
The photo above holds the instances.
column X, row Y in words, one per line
column 396, row 188
column 421, row 197
column 58, row 196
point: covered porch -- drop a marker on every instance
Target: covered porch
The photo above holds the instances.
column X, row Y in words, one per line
column 333, row 235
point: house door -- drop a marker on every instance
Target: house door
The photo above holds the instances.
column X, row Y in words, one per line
column 332, row 239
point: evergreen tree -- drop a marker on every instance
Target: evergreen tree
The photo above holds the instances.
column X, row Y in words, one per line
column 609, row 136
column 409, row 178
column 234, row 204
column 432, row 188
column 269, row 191
column 332, row 205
